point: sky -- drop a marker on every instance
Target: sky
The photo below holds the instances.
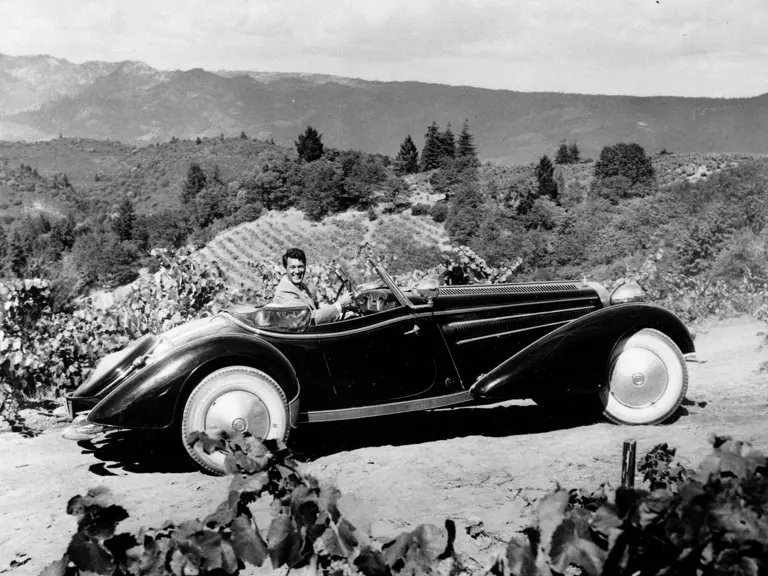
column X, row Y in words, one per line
column 709, row 48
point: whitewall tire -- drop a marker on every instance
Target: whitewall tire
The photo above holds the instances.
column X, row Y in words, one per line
column 234, row 400
column 647, row 379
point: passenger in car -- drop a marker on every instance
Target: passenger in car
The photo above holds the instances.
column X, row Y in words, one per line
column 292, row 290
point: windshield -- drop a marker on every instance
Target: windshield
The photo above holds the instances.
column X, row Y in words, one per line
column 384, row 275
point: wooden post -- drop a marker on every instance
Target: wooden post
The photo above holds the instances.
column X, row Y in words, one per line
column 628, row 464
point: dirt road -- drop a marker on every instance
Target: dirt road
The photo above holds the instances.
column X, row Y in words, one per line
column 482, row 464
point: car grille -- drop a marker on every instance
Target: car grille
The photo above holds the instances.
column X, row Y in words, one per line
column 470, row 330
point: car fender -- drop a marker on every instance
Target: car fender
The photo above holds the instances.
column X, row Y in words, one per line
column 153, row 397
column 574, row 358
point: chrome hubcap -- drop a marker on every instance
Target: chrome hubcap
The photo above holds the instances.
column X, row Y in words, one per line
column 639, row 378
column 236, row 412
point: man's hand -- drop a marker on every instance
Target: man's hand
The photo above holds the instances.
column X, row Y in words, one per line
column 344, row 300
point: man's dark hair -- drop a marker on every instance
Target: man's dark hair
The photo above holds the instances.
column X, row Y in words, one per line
column 297, row 254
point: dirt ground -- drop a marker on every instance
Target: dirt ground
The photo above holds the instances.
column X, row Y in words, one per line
column 473, row 465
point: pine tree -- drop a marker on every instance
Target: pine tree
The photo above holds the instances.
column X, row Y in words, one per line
column 448, row 143
column 545, row 174
column 243, row 135
column 309, row 145
column 3, row 244
column 16, row 258
column 123, row 222
column 466, row 148
column 574, row 152
column 216, row 176
column 196, row 181
column 563, row 155
column 432, row 152
column 465, row 215
column 407, row 160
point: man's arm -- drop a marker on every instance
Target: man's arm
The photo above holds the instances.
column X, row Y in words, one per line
column 326, row 314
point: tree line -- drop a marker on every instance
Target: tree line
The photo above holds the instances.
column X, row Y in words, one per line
column 107, row 247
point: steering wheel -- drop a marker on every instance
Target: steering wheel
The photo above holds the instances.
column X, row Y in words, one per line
column 347, row 283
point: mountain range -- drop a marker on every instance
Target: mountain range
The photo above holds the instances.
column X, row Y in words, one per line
column 42, row 97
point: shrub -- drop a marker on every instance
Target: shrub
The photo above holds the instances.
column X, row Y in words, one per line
column 420, row 209
column 439, row 211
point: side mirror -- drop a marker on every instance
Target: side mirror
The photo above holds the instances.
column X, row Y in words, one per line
column 427, row 288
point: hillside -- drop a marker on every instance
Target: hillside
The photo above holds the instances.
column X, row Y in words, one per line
column 239, row 251
column 105, row 171
column 136, row 104
column 152, row 176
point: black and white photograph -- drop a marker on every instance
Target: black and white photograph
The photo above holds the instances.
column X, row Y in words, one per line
column 398, row 288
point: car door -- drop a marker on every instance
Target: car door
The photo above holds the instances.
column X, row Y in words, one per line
column 389, row 356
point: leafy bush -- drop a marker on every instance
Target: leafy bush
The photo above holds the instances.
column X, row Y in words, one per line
column 44, row 352
column 439, row 211
column 420, row 209
column 709, row 521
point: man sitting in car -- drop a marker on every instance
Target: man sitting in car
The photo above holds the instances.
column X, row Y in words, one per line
column 293, row 291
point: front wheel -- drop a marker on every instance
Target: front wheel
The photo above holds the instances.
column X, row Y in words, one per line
column 234, row 400
column 647, row 379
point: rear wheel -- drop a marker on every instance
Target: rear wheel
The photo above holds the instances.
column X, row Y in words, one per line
column 647, row 379
column 235, row 399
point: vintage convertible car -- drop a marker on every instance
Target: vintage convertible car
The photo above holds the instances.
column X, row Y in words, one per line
column 266, row 369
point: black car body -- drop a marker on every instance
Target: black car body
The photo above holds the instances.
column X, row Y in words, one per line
column 405, row 351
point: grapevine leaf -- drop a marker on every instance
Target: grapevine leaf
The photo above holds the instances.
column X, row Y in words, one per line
column 86, row 554
column 736, row 520
column 605, row 522
column 348, row 534
column 521, row 560
column 210, row 545
column 119, row 545
column 182, row 565
column 282, row 540
column 550, row 513
column 99, row 522
column 421, row 547
column 306, row 514
column 371, row 563
column 248, row 543
column 571, row 545
column 331, row 544
column 249, row 483
column 229, row 563
column 653, row 507
column 223, row 515
column 56, row 568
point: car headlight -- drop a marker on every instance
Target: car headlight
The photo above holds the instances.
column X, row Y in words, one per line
column 629, row 292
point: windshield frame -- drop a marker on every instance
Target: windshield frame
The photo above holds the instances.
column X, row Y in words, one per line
column 388, row 280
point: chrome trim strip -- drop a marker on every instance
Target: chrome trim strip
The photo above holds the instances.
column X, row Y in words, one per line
column 313, row 335
column 368, row 328
column 481, row 321
column 510, row 332
column 508, row 305
column 387, row 409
